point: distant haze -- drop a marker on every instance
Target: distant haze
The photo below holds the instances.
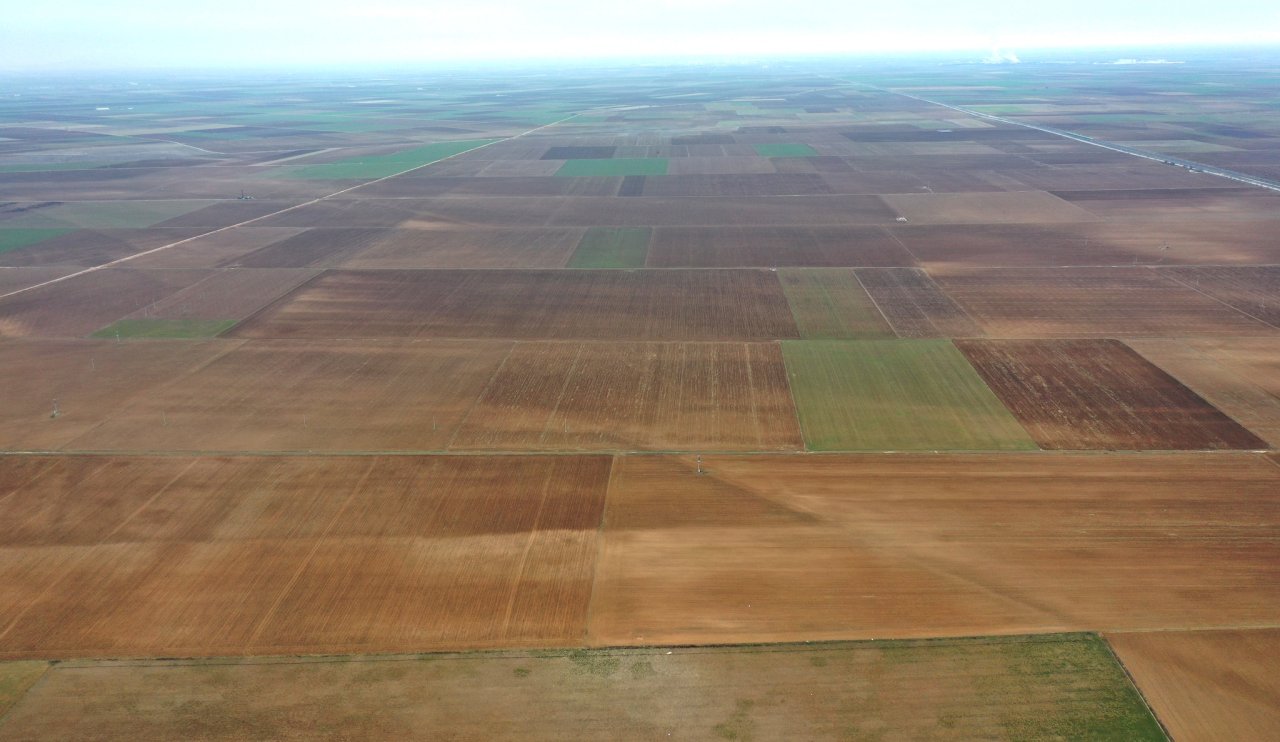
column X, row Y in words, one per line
column 80, row 34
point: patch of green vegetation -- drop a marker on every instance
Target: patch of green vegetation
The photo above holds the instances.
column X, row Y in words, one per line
column 598, row 663
column 913, row 395
column 785, row 150
column 14, row 239
column 16, row 678
column 607, row 247
column 615, row 167
column 740, row 724
column 830, row 304
column 521, row 672
column 380, row 166
column 165, row 328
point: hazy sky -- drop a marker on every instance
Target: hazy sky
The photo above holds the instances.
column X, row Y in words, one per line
column 148, row 33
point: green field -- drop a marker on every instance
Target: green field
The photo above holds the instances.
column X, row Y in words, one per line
column 605, row 247
column 615, row 167
column 830, row 304
column 890, row 395
column 785, row 150
column 380, row 166
column 165, row 328
column 14, row 239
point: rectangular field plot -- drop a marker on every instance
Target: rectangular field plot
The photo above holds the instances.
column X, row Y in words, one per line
column 475, row 247
column 1218, row 684
column 895, row 395
column 215, row 556
column 762, row 184
column 967, row 208
column 831, row 304
column 165, row 328
column 768, row 247
column 90, row 379
column 635, row 396
column 299, row 396
column 606, row 305
column 604, row 247
column 614, row 167
column 778, row 548
column 1254, row 290
column 1100, row 394
column 130, row 214
column 1090, row 302
column 914, row 306
column 380, row 166
column 785, row 150
column 83, row 304
column 1037, row 687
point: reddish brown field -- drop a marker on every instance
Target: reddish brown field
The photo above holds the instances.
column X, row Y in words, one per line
column 1240, row 377
column 769, row 548
column 228, row 294
column 732, row 247
column 1099, row 394
column 625, row 305
column 164, row 556
column 314, row 248
column 303, row 396
column 966, row 208
column 78, row 306
column 1090, row 244
column 1090, row 302
column 1254, row 291
column 632, row 396
column 914, row 305
column 1207, row 684
column 91, row 379
column 468, row 248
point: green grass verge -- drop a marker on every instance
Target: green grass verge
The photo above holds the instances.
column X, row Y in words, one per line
column 615, row 167
column 785, row 150
column 14, row 239
column 165, row 328
column 829, row 304
column 605, row 247
column 910, row 395
column 380, row 166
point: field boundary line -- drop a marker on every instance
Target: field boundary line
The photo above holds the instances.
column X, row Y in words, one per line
column 874, row 303
column 1133, row 683
column 1196, row 289
column 601, row 530
column 313, row 201
column 91, row 552
column 306, row 561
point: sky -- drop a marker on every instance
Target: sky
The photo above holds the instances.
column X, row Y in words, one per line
column 131, row 34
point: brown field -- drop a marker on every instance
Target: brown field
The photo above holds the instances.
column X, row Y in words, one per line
column 1207, row 684
column 625, row 305
column 1021, row 687
column 85, row 247
column 1241, row 378
column 306, row 395
column 78, row 306
column 91, row 379
column 733, row 247
column 631, row 396
column 1089, row 302
column 914, row 306
column 1092, row 244
column 758, row 184
column 281, row 555
column 403, row 249
column 962, row 208
column 1254, row 290
column 12, row 279
column 492, row 184
column 215, row 250
column 227, row 294
column 773, row 548
column 1176, row 203
column 721, row 166
column 1099, row 394
column 314, row 248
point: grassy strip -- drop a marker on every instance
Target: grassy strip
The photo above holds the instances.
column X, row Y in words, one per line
column 165, row 328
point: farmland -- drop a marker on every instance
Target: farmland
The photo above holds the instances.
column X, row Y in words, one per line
column 716, row 401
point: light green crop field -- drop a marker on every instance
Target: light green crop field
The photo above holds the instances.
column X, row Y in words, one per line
column 380, row 166
column 785, row 150
column 614, row 167
column 829, row 303
column 604, row 247
column 165, row 328
column 13, row 239
column 891, row 395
